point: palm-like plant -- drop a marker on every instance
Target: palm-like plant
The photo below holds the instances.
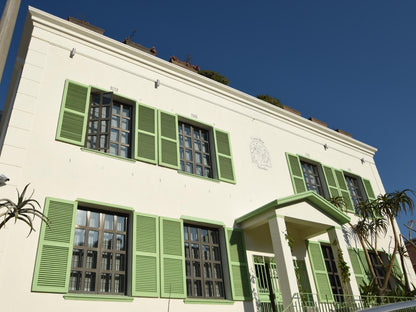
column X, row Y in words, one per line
column 25, row 209
column 375, row 218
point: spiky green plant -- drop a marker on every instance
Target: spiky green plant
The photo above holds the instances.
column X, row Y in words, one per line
column 25, row 209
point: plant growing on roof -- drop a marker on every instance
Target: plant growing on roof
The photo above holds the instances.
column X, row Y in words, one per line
column 214, row 76
column 270, row 99
column 25, row 209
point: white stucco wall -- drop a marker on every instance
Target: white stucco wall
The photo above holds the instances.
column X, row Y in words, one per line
column 30, row 153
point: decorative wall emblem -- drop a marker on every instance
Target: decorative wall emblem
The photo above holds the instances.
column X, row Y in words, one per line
column 259, row 154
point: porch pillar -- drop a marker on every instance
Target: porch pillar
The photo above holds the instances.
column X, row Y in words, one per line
column 288, row 283
column 338, row 243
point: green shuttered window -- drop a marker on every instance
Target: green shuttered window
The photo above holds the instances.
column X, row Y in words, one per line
column 106, row 122
column 172, row 259
column 335, row 182
column 53, row 261
column 323, row 286
column 237, row 262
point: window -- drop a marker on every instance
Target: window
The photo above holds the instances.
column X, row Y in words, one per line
column 204, row 275
column 116, row 125
column 99, row 257
column 332, row 271
column 109, row 125
column 355, row 190
column 379, row 268
column 194, row 150
column 312, row 177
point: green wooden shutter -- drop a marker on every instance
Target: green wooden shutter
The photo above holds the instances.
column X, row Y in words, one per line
column 145, row 148
column 320, row 274
column 357, row 266
column 237, row 264
column 53, row 260
column 172, row 259
column 145, row 280
column 74, row 113
column 343, row 188
column 303, row 281
column 168, row 140
column 369, row 190
column 296, row 173
column 224, row 156
column 331, row 181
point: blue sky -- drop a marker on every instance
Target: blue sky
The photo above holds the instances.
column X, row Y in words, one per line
column 349, row 63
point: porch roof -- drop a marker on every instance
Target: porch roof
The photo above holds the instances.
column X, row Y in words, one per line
column 311, row 197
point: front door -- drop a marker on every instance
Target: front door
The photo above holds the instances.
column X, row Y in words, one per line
column 270, row 298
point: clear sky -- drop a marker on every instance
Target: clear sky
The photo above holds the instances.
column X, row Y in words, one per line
column 350, row 63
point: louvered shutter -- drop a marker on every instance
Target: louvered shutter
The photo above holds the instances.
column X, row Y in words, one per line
column 357, row 266
column 145, row 148
column 343, row 189
column 168, row 140
column 74, row 113
column 296, row 173
column 53, row 260
column 304, row 284
column 331, row 182
column 224, row 156
column 145, row 280
column 172, row 259
column 320, row 274
column 237, row 263
column 369, row 190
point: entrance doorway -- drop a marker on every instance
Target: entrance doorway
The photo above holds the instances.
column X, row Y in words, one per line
column 331, row 268
column 270, row 298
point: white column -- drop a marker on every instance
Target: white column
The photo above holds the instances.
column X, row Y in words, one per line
column 337, row 240
column 286, row 270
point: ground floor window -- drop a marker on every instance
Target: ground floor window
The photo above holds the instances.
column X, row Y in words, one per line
column 331, row 268
column 204, row 274
column 99, row 257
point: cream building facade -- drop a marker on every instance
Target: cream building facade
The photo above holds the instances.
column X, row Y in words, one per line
column 168, row 191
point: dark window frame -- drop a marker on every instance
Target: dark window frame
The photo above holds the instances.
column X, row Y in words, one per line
column 356, row 190
column 203, row 137
column 195, row 256
column 313, row 177
column 103, row 113
column 332, row 271
column 116, row 266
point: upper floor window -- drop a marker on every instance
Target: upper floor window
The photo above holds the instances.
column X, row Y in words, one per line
column 116, row 125
column 194, row 150
column 99, row 256
column 109, row 125
column 355, row 190
column 312, row 177
column 204, row 275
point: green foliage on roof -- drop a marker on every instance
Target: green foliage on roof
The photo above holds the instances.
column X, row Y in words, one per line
column 269, row 99
column 215, row 76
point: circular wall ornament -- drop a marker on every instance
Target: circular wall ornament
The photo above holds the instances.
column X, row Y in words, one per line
column 259, row 154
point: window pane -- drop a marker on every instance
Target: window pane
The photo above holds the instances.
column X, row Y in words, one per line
column 204, row 235
column 115, row 122
column 126, row 112
column 189, row 168
column 198, row 158
column 207, row 270
column 125, row 137
column 77, row 258
column 116, row 109
column 89, row 281
column 121, row 224
column 217, row 271
column 103, row 141
column 187, row 129
column 216, row 253
column 105, row 283
column 79, row 238
column 115, row 135
column 108, row 240
column 194, row 234
column 92, row 239
column 94, row 219
column 113, row 149
column 195, row 251
column 105, row 112
column 188, row 142
column 206, row 252
column 198, row 170
column 188, row 155
column 107, row 261
column 108, row 222
column 124, row 151
column 81, row 218
column 91, row 260
column 104, row 126
column 75, row 280
column 120, row 243
column 120, row 262
column 119, row 282
column 197, row 288
column 197, row 145
column 196, row 269
column 125, row 124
